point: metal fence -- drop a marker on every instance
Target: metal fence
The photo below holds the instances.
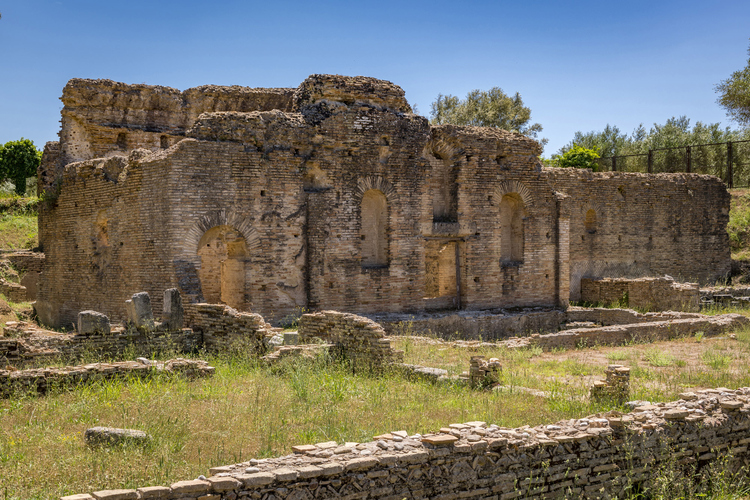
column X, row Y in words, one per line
column 730, row 161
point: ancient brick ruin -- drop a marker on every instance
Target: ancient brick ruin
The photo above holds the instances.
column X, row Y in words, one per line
column 602, row 456
column 335, row 196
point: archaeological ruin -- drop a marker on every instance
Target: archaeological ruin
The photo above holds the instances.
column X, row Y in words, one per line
column 334, row 195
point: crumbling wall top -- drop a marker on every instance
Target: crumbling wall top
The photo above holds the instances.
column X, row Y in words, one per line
column 351, row 90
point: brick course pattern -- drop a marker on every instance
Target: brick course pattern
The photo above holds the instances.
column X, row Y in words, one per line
column 223, row 328
column 359, row 340
column 336, row 196
column 653, row 294
column 42, row 379
column 597, row 457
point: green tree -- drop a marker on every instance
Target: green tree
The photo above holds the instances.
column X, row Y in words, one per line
column 19, row 160
column 485, row 108
column 609, row 142
column 579, row 157
column 734, row 94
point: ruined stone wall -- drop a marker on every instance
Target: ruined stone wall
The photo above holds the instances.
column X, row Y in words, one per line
column 652, row 294
column 601, row 456
column 102, row 116
column 644, row 225
column 488, row 167
column 26, row 344
column 350, row 202
column 224, row 329
column 358, row 339
column 710, row 326
column 41, row 380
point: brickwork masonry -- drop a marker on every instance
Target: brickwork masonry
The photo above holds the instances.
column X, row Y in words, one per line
column 40, row 380
column 652, row 294
column 359, row 340
column 600, row 456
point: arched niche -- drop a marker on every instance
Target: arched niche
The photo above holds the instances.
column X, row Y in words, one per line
column 223, row 253
column 374, row 229
column 511, row 228
column 589, row 222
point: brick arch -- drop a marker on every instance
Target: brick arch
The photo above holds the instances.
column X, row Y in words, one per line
column 368, row 182
column 220, row 218
column 446, row 147
column 508, row 187
column 592, row 205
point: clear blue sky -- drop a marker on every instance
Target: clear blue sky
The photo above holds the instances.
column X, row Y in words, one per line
column 577, row 65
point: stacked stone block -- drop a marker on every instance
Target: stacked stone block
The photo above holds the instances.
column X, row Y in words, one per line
column 597, row 457
column 482, row 372
column 358, row 339
column 224, row 328
column 616, row 387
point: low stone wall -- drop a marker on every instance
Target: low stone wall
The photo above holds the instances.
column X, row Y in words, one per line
column 655, row 294
column 42, row 379
column 600, row 456
column 223, row 328
column 472, row 325
column 637, row 332
column 358, row 339
column 26, row 261
column 605, row 316
column 13, row 291
column 26, row 343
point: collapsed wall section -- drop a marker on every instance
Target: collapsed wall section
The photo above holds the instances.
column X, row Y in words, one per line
column 631, row 225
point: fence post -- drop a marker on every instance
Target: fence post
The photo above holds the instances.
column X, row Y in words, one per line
column 730, row 174
column 614, row 164
column 650, row 162
column 689, row 160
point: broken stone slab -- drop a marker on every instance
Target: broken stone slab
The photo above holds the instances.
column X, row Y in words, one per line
column 111, row 436
column 440, row 439
column 174, row 314
column 93, row 322
column 139, row 311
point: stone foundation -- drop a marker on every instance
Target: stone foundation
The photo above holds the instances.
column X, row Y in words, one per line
column 597, row 457
column 628, row 333
column 652, row 294
column 40, row 380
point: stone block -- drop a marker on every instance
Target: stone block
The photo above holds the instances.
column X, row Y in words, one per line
column 174, row 315
column 139, row 311
column 93, row 322
column 154, row 492
column 110, row 436
column 188, row 487
column 291, row 338
column 116, row 495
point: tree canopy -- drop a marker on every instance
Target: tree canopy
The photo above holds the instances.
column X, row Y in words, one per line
column 19, row 160
column 734, row 94
column 485, row 108
column 579, row 157
column 677, row 132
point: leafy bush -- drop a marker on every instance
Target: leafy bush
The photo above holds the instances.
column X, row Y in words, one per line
column 579, row 157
